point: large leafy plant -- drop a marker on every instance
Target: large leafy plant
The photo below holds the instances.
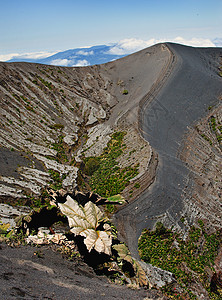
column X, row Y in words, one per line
column 89, row 222
column 124, row 254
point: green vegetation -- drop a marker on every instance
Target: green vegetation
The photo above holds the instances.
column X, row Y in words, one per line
column 213, row 123
column 57, row 179
column 206, row 138
column 216, row 128
column 4, row 228
column 125, row 92
column 219, row 138
column 137, row 185
column 132, row 151
column 107, row 178
column 56, row 126
column 188, row 260
column 92, row 164
column 28, row 104
column 36, row 202
column 220, row 71
column 59, row 147
column 46, row 83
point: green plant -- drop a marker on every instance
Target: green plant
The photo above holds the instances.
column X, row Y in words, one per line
column 56, row 126
column 38, row 254
column 117, row 198
column 46, row 83
column 57, row 179
column 213, row 123
column 206, row 139
column 125, row 92
column 91, row 165
column 4, row 228
column 132, row 151
column 137, row 185
column 61, row 152
column 107, row 178
column 124, row 255
column 197, row 253
column 89, row 222
column 110, row 208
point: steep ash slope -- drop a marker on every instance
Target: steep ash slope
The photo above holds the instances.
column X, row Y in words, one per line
column 44, row 114
column 193, row 86
column 50, row 115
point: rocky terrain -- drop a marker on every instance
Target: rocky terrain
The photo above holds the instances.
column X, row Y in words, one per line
column 153, row 117
column 50, row 115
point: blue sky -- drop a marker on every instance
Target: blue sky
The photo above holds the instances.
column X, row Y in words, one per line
column 51, row 25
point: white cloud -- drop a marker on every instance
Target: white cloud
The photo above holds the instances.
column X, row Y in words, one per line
column 37, row 55
column 81, row 63
column 5, row 57
column 128, row 46
column 81, row 52
column 61, row 62
column 32, row 55
column 123, row 47
column 195, row 42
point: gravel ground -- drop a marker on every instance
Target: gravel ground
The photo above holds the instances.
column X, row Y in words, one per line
column 24, row 275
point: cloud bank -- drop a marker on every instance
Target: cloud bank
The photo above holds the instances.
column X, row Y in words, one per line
column 124, row 47
column 81, row 52
column 128, row 46
column 61, row 62
column 81, row 63
column 33, row 55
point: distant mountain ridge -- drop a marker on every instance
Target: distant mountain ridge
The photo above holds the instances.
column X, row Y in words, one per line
column 76, row 57
column 100, row 54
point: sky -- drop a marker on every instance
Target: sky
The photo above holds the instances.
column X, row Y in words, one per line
column 49, row 26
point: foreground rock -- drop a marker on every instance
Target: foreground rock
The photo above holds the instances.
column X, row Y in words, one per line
column 157, row 277
column 8, row 213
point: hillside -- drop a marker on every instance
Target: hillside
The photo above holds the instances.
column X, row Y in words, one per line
column 147, row 126
column 171, row 122
column 49, row 115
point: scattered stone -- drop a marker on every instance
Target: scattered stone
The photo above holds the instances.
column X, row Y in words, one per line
column 8, row 213
column 157, row 277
